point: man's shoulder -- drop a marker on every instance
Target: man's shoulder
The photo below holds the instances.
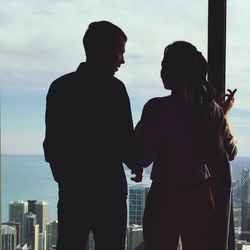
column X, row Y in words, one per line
column 64, row 79
column 63, row 83
column 118, row 82
column 118, row 86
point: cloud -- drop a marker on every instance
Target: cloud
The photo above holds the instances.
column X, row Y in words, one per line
column 41, row 40
column 46, row 36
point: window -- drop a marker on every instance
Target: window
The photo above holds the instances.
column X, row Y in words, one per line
column 36, row 50
column 237, row 76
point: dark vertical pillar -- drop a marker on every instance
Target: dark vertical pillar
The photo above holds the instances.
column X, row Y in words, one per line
column 217, row 43
column 216, row 73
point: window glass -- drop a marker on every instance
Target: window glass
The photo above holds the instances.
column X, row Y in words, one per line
column 237, row 76
column 42, row 40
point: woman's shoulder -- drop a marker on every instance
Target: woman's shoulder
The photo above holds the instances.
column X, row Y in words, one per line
column 216, row 108
column 158, row 101
column 156, row 105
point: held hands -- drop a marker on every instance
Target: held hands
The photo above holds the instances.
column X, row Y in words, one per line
column 227, row 104
column 139, row 173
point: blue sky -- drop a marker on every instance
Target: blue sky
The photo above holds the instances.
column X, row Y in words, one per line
column 41, row 40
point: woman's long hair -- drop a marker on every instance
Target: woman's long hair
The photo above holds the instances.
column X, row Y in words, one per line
column 187, row 68
column 183, row 62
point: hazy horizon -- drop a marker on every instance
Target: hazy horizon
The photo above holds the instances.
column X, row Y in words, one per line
column 41, row 41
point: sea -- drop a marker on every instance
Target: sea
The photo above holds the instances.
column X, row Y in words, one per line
column 28, row 177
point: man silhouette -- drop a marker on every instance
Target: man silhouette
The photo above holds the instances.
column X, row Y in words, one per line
column 89, row 134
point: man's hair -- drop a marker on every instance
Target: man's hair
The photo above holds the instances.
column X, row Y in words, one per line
column 99, row 35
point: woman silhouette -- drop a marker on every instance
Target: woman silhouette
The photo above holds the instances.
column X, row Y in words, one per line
column 183, row 134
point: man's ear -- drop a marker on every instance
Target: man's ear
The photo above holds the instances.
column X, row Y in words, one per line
column 106, row 51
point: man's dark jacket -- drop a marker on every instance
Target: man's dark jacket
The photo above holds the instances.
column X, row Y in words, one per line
column 89, row 128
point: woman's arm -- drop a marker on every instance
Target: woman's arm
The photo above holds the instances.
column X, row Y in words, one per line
column 230, row 143
column 146, row 138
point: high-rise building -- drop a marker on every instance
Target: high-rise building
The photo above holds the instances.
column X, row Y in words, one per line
column 31, row 230
column 42, row 213
column 8, row 237
column 17, row 210
column 43, row 240
column 36, row 238
column 245, row 205
column 135, row 237
column 23, row 246
column 31, row 206
column 17, row 226
column 91, row 242
column 242, row 245
column 179, row 247
column 52, row 247
column 51, row 231
column 137, row 198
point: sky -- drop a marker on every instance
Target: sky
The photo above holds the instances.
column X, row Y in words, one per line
column 42, row 40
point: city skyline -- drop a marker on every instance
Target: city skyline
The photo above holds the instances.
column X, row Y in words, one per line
column 47, row 237
column 45, row 41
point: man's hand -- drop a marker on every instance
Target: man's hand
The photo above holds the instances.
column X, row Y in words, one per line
column 139, row 173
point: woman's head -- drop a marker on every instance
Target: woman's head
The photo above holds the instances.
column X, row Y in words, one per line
column 183, row 66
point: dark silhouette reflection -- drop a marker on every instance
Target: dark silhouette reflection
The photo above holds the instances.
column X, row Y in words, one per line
column 89, row 134
column 188, row 138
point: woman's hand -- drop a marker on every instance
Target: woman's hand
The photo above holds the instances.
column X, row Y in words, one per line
column 227, row 104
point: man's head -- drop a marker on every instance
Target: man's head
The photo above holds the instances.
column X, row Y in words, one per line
column 104, row 45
